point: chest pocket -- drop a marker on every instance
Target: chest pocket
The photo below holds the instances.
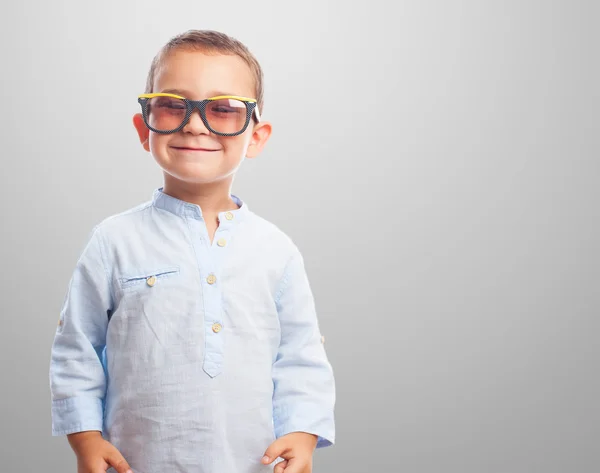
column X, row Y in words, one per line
column 159, row 320
column 148, row 278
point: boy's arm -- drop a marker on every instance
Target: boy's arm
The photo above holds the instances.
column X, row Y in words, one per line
column 304, row 386
column 77, row 378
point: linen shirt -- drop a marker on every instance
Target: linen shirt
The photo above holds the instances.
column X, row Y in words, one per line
column 190, row 356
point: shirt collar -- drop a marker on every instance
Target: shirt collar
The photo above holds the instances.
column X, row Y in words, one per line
column 187, row 209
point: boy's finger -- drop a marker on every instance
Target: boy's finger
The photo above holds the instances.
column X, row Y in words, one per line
column 280, row 466
column 116, row 460
column 294, row 466
column 276, row 449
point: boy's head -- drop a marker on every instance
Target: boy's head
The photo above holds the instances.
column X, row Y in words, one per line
column 201, row 108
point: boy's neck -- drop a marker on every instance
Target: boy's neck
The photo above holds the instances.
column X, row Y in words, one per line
column 212, row 198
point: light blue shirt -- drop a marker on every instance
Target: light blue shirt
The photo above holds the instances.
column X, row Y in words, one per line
column 190, row 356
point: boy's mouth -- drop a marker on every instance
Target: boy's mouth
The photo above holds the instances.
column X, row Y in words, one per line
column 187, row 148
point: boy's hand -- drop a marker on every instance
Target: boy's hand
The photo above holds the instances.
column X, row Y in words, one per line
column 296, row 449
column 96, row 455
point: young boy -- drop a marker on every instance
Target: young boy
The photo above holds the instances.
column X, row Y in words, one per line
column 188, row 341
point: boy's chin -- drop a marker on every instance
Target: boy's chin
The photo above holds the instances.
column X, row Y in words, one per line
column 195, row 178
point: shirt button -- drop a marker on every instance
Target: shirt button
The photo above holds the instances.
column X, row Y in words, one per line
column 216, row 327
column 221, row 242
column 151, row 281
column 323, row 339
column 228, row 215
column 211, row 279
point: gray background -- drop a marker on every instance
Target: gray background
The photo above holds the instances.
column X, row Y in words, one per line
column 437, row 164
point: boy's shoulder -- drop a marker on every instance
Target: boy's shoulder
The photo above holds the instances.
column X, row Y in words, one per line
column 271, row 233
column 123, row 219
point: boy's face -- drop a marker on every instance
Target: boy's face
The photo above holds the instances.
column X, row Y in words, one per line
column 194, row 155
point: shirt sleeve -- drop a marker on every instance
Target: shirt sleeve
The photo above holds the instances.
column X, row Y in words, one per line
column 304, row 386
column 77, row 376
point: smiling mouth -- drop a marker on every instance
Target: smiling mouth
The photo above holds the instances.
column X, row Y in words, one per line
column 182, row 148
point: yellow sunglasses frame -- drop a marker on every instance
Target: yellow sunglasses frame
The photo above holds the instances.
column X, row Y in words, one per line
column 251, row 109
column 217, row 97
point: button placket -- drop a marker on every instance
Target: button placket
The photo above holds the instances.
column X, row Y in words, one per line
column 209, row 261
column 213, row 332
column 208, row 266
column 215, row 329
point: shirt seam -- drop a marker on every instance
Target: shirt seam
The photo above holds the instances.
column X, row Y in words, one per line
column 285, row 278
column 103, row 257
column 128, row 212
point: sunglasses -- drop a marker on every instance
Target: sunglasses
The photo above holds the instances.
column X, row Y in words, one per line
column 224, row 115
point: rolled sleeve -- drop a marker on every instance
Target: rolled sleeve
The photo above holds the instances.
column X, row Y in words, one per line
column 304, row 385
column 77, row 376
column 76, row 414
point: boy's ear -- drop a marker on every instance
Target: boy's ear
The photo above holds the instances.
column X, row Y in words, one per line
column 142, row 130
column 260, row 136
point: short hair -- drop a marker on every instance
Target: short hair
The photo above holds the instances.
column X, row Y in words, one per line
column 209, row 41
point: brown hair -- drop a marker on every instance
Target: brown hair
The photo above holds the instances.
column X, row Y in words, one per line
column 211, row 42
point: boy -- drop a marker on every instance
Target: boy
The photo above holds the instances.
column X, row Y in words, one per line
column 188, row 341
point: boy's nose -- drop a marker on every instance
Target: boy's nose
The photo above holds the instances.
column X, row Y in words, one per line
column 195, row 125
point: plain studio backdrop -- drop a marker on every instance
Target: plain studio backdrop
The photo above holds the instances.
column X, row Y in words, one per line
column 437, row 165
